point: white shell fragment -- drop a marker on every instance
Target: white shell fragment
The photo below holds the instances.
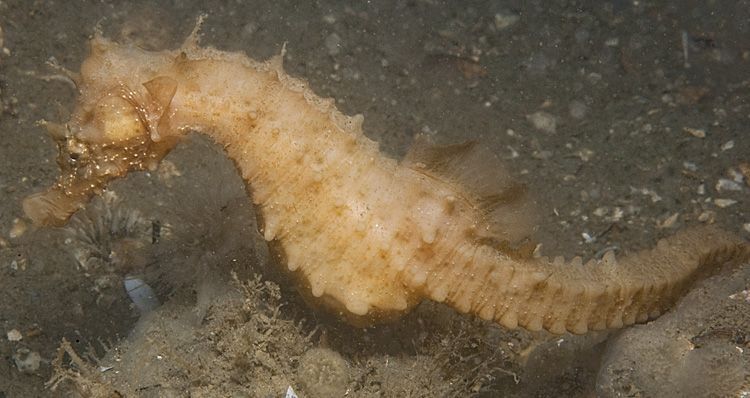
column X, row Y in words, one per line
column 727, row 185
column 141, row 294
column 543, row 121
column 724, row 202
column 27, row 361
column 14, row 335
column 290, row 393
column 698, row 133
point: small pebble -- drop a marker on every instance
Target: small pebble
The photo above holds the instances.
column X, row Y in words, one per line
column 647, row 192
column 594, row 77
column 249, row 29
column 290, row 393
column 577, row 109
column 737, row 176
column 746, row 226
column 707, row 216
column 669, row 222
column 727, row 145
column 27, row 361
column 743, row 295
column 699, row 133
column 503, row 21
column 585, row 154
column 617, row 215
column 601, row 211
column 19, row 228
column 724, row 185
column 689, row 166
column 14, row 335
column 724, row 202
column 543, row 121
column 612, row 42
column 542, row 155
column 333, row 44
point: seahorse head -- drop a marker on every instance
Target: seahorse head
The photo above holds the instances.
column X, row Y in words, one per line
column 113, row 130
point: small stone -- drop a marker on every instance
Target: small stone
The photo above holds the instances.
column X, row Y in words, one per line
column 669, row 222
column 689, row 166
column 612, row 42
column 290, row 393
column 542, row 155
column 333, row 44
column 249, row 29
column 585, row 154
column 543, row 121
column 27, row 361
column 724, row 185
column 19, row 228
column 601, row 211
column 616, row 214
column 503, row 21
column 577, row 109
column 698, row 133
column 323, row 373
column 743, row 295
column 707, row 216
column 594, row 78
column 727, row 145
column 14, row 335
column 724, row 202
column 737, row 176
column 647, row 192
column 746, row 226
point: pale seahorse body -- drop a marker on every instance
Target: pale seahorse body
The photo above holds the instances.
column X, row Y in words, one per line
column 367, row 235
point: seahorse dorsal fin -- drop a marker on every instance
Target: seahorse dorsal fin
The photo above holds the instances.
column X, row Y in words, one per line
column 485, row 181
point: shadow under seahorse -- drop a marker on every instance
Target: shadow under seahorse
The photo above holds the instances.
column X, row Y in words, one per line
column 365, row 235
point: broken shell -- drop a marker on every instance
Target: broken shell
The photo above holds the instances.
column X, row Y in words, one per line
column 698, row 133
column 14, row 335
column 724, row 202
column 18, row 228
column 727, row 185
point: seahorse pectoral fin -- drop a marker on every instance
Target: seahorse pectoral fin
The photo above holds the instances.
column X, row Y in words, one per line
column 502, row 204
column 162, row 89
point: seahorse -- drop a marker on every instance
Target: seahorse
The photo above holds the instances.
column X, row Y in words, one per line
column 366, row 235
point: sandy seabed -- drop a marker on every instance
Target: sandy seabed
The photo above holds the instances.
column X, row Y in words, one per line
column 626, row 120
